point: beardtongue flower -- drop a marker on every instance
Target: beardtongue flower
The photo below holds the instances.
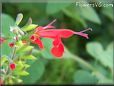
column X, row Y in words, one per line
column 49, row 31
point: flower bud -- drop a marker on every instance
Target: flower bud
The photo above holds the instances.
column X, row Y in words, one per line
column 12, row 66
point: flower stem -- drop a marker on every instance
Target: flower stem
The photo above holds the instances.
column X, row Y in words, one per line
column 13, row 54
column 78, row 59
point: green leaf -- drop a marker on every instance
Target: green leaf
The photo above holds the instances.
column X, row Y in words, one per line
column 24, row 48
column 30, row 57
column 74, row 14
column 7, row 21
column 89, row 13
column 36, row 70
column 29, row 27
column 23, row 73
column 55, row 7
column 19, row 18
column 3, row 59
column 46, row 52
column 19, row 66
column 104, row 56
column 84, row 77
column 108, row 11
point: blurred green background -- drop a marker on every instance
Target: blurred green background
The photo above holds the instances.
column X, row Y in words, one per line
column 85, row 61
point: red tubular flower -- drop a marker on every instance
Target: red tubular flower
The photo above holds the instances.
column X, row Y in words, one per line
column 55, row 34
column 11, row 44
column 12, row 66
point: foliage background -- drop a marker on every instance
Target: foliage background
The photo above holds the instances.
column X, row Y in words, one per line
column 85, row 61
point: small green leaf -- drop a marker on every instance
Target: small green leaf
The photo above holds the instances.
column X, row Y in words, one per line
column 84, row 77
column 19, row 18
column 19, row 66
column 31, row 57
column 3, row 59
column 29, row 21
column 29, row 27
column 25, row 48
column 23, row 73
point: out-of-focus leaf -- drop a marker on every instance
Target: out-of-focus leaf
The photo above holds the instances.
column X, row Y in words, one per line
column 96, row 50
column 7, row 21
column 73, row 13
column 36, row 70
column 55, row 7
column 89, row 13
column 46, row 52
column 108, row 11
column 84, row 77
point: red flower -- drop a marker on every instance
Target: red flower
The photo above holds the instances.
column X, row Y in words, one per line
column 55, row 34
column 12, row 66
column 11, row 44
column 1, row 40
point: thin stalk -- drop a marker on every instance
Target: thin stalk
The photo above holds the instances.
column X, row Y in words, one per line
column 14, row 52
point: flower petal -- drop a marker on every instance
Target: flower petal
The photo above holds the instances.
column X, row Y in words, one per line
column 52, row 33
column 36, row 40
column 58, row 51
column 39, row 43
column 65, row 33
column 56, row 41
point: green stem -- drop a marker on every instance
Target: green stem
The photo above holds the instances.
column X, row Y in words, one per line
column 14, row 52
column 86, row 64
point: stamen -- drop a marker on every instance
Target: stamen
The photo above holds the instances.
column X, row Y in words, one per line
column 86, row 30
column 51, row 22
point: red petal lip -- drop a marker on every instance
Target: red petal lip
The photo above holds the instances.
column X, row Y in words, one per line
column 55, row 51
column 58, row 48
column 39, row 43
